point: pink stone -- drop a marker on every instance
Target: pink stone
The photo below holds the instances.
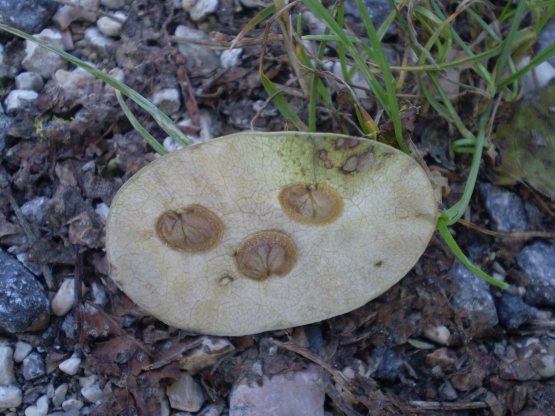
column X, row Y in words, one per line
column 287, row 394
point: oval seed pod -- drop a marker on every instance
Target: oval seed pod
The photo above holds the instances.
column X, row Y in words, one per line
column 262, row 231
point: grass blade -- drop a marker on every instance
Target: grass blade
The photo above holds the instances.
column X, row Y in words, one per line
column 147, row 137
column 281, row 103
column 162, row 119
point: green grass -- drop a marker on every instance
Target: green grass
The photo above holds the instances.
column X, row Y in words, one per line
column 489, row 64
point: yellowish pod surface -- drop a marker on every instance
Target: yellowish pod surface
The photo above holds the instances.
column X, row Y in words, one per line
column 262, row 231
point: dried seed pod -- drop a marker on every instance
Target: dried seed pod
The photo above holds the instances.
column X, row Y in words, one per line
column 262, row 231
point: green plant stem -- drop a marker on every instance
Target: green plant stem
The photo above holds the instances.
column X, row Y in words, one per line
column 138, row 126
column 453, row 214
column 454, row 247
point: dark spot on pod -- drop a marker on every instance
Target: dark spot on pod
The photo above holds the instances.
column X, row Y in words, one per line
column 311, row 204
column 324, row 157
column 346, row 143
column 379, row 263
column 265, row 254
column 193, row 228
column 358, row 163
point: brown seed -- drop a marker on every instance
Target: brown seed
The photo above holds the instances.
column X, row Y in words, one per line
column 266, row 253
column 193, row 228
column 311, row 204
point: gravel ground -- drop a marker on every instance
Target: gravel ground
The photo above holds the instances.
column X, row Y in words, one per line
column 441, row 342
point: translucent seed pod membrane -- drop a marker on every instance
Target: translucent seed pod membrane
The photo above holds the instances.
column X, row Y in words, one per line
column 262, row 231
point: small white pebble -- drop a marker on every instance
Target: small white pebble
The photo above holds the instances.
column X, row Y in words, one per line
column 111, row 26
column 199, row 9
column 97, row 39
column 231, row 58
column 28, row 81
column 39, row 409
column 17, row 98
column 60, row 394
column 70, row 366
column 22, row 350
column 40, row 60
column 171, row 145
column 93, row 393
column 439, row 334
column 102, row 211
column 33, row 210
column 64, row 298
column 99, row 294
column 7, row 375
column 167, row 100
column 10, row 396
column 72, row 404
column 87, row 381
column 548, row 369
column 117, row 74
column 185, row 394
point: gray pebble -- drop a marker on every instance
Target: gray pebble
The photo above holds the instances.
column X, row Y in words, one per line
column 473, row 302
column 33, row 210
column 28, row 81
column 39, row 409
column 285, row 394
column 72, row 404
column 505, row 208
column 4, row 69
column 22, row 350
column 5, row 124
column 76, row 10
column 537, row 260
column 513, row 311
column 385, row 363
column 97, row 39
column 111, row 26
column 68, row 326
column 40, row 60
column 17, row 99
column 93, row 393
column 167, row 100
column 185, row 394
column 33, row 366
column 10, row 396
column 447, row 391
column 30, row 16
column 99, row 294
column 7, row 375
column 198, row 57
column 200, row 9
column 60, row 394
column 24, row 304
column 231, row 58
